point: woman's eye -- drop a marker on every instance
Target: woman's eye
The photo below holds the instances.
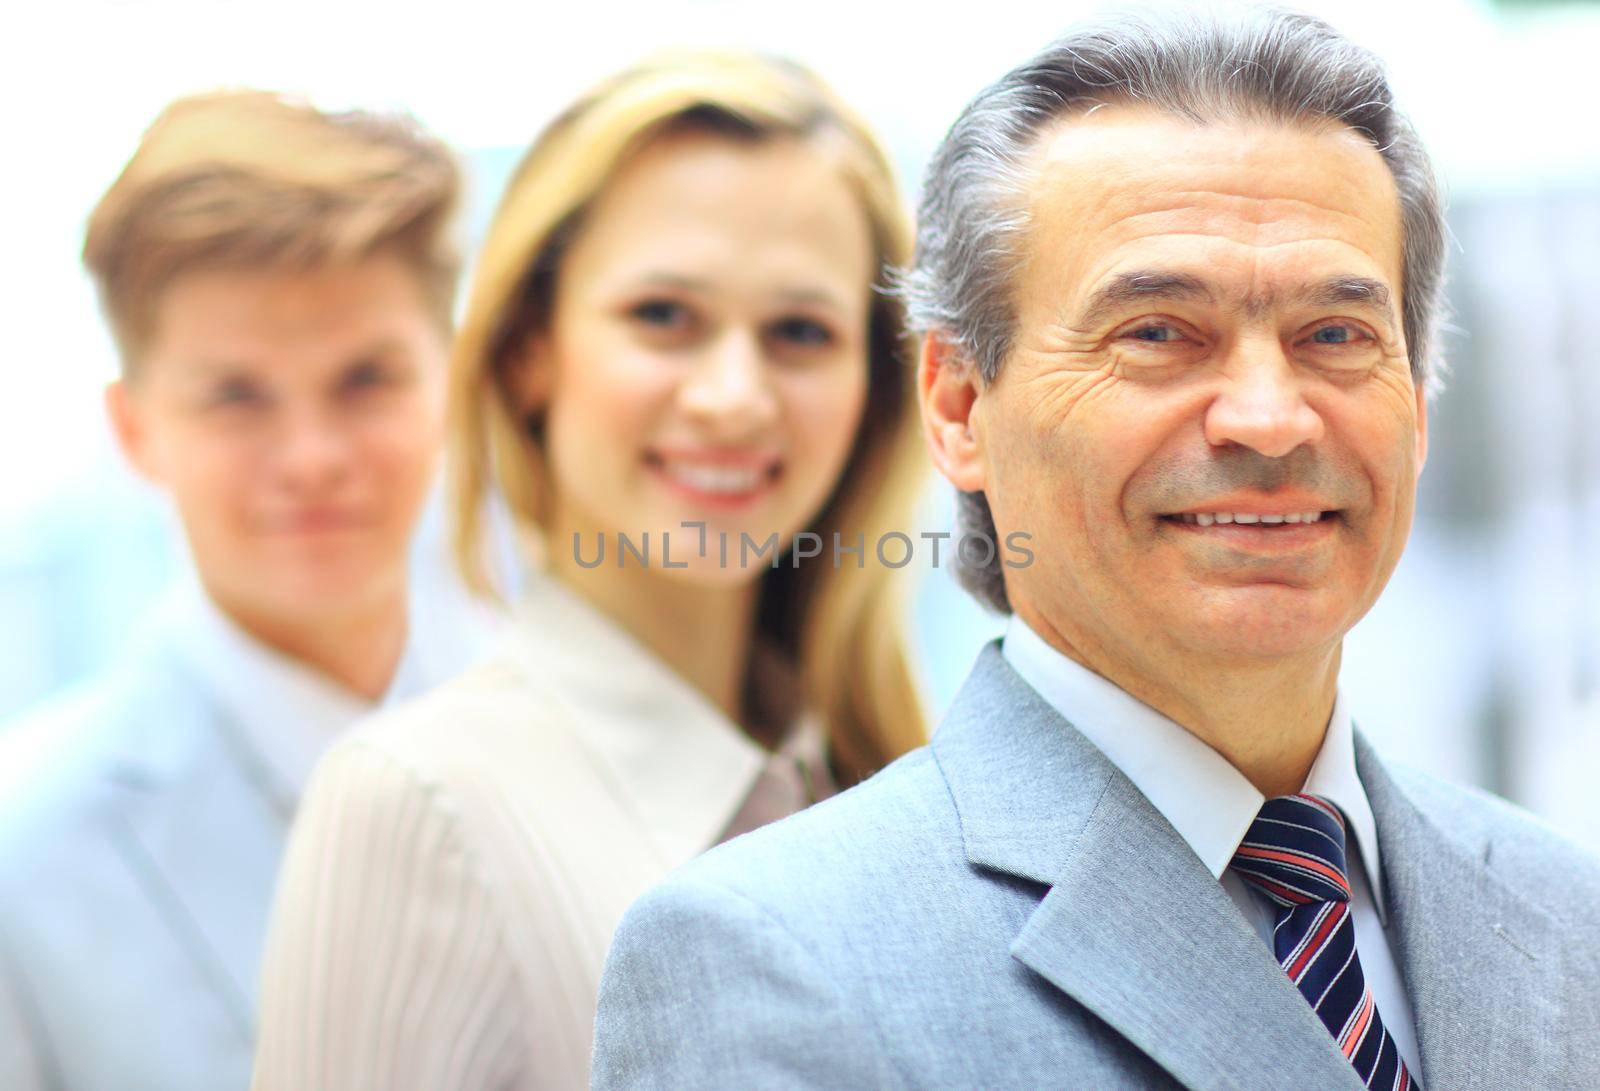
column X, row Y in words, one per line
column 801, row 331
column 365, row 377
column 661, row 313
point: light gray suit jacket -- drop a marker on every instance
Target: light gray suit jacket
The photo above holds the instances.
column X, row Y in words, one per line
column 141, row 829
column 1004, row 909
column 136, row 869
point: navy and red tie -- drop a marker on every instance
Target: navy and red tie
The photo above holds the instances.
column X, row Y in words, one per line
column 1294, row 854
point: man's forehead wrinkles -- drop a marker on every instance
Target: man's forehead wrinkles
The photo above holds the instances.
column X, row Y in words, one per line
column 1136, row 287
column 1343, row 187
column 1209, row 255
column 1134, row 237
column 1299, row 217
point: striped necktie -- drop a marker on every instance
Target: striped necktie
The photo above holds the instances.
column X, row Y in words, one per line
column 1294, row 854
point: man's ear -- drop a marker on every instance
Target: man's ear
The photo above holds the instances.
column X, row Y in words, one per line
column 948, row 389
column 1422, row 427
column 126, row 412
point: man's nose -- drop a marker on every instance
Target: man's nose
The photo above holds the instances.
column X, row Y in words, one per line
column 313, row 449
column 1262, row 403
column 728, row 392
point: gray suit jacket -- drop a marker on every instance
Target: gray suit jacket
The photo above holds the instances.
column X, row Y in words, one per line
column 1004, row 909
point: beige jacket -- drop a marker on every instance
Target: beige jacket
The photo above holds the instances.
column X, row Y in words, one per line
column 459, row 863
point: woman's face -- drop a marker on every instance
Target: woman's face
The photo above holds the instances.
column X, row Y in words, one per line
column 706, row 359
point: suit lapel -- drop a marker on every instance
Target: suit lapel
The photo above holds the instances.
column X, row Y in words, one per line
column 202, row 840
column 1139, row 932
column 1134, row 927
column 1484, row 968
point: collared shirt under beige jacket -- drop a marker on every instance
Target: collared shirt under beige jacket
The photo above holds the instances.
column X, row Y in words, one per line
column 460, row 862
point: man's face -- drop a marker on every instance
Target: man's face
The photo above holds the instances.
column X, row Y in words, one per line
column 295, row 418
column 1208, row 342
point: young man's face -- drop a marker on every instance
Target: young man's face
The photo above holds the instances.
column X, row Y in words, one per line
column 295, row 418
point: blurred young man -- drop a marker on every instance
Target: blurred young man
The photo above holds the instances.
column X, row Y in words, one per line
column 279, row 282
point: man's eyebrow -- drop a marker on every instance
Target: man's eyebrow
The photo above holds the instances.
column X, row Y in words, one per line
column 209, row 368
column 1144, row 286
column 1141, row 286
column 1373, row 295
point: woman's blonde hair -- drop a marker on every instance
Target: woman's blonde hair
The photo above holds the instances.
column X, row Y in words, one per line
column 840, row 626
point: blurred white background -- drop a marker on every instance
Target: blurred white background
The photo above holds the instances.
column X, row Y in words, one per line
column 1481, row 662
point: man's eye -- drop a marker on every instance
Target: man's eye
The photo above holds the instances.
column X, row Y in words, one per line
column 1155, row 334
column 801, row 331
column 1334, row 335
column 237, row 392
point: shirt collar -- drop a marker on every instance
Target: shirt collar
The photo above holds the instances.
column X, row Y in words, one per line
column 1208, row 802
column 1333, row 776
column 284, row 712
column 681, row 764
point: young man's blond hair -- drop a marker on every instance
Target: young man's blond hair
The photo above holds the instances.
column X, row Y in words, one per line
column 257, row 181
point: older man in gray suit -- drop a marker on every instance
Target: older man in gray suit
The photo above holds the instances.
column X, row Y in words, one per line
column 1178, row 283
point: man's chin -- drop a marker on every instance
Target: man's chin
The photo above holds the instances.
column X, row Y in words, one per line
column 322, row 592
column 1261, row 622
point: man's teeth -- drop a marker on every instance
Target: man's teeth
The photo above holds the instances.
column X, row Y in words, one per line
column 1206, row 518
column 725, row 479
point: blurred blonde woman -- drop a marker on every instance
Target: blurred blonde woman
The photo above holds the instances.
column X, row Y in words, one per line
column 677, row 372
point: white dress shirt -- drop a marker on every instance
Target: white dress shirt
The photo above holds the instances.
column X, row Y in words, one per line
column 460, row 862
column 287, row 712
column 1211, row 805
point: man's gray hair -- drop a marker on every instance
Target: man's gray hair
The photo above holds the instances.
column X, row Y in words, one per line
column 1268, row 64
